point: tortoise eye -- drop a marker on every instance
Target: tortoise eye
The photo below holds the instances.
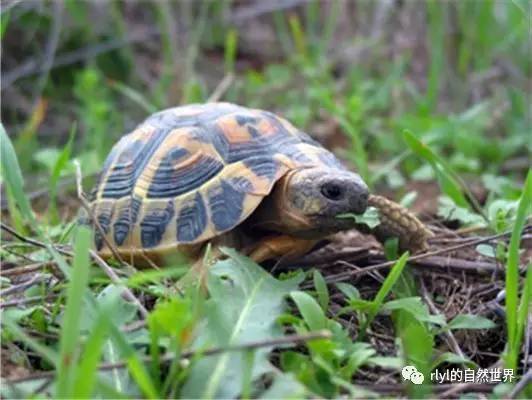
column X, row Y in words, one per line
column 332, row 191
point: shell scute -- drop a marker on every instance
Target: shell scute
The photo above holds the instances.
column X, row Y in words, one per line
column 127, row 215
column 226, row 203
column 263, row 166
column 192, row 220
column 171, row 180
column 104, row 214
column 154, row 224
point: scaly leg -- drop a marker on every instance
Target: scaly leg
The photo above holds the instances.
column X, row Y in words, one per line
column 274, row 247
column 284, row 246
column 397, row 221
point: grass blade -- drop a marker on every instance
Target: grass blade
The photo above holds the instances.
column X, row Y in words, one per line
column 384, row 290
column 512, row 274
column 231, row 39
column 311, row 311
column 4, row 22
column 70, row 331
column 135, row 365
column 13, row 176
column 60, row 164
column 390, row 280
column 87, row 372
column 298, row 36
column 448, row 183
column 133, row 95
column 321, row 290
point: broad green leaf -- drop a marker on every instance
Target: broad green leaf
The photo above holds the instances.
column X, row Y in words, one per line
column 311, row 311
column 408, row 199
column 417, row 344
column 416, row 308
column 361, row 353
column 321, row 290
column 362, row 305
column 452, row 358
column 285, row 386
column 369, row 218
column 244, row 304
column 470, row 321
column 348, row 290
column 387, row 362
column 46, row 157
column 17, row 314
column 174, row 318
column 486, row 250
column 448, row 210
column 134, row 364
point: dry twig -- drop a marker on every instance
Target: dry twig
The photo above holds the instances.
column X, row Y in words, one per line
column 349, row 274
column 25, row 269
column 222, row 87
column 37, row 278
column 451, row 340
column 285, row 340
column 86, row 206
column 128, row 294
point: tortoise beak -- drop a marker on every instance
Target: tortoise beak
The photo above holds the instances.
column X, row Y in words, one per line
column 346, row 193
column 359, row 197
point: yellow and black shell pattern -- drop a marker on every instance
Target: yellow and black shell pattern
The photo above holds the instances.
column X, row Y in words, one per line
column 188, row 174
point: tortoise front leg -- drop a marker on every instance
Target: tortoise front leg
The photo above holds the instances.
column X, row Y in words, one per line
column 397, row 221
column 281, row 247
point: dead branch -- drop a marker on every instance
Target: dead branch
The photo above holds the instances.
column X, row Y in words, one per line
column 222, row 87
column 285, row 340
column 349, row 274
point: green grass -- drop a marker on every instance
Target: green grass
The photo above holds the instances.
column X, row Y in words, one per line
column 448, row 113
column 515, row 313
column 71, row 324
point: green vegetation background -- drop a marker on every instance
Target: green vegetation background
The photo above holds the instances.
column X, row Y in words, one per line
column 429, row 101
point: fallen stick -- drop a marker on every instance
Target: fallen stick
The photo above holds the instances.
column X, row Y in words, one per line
column 349, row 274
column 289, row 339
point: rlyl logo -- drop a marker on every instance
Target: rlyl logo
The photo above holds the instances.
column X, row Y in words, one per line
column 410, row 373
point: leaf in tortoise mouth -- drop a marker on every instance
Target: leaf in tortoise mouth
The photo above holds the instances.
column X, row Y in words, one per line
column 369, row 218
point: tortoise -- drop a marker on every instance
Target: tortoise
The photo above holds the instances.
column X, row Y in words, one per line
column 228, row 175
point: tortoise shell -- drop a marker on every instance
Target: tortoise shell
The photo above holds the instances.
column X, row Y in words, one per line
column 188, row 174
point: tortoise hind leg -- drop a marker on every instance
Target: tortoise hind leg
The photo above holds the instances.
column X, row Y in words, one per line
column 273, row 247
column 280, row 247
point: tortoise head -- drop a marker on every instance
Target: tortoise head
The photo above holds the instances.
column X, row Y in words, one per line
column 306, row 202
